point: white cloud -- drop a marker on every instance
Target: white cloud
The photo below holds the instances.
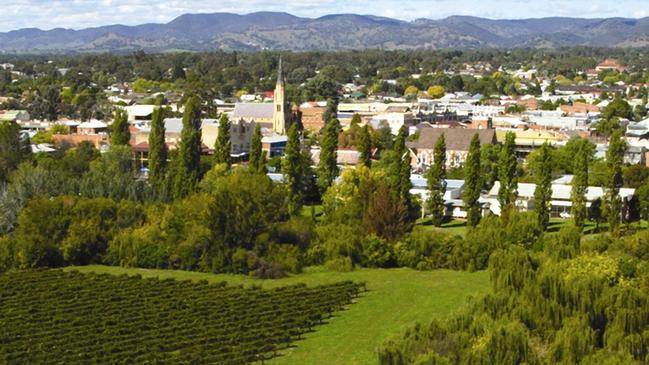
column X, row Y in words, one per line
column 46, row 14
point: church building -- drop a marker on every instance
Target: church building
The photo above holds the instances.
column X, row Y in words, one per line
column 273, row 118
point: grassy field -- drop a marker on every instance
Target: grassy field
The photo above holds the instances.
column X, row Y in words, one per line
column 396, row 299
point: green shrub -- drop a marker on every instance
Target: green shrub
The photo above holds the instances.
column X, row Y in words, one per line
column 342, row 264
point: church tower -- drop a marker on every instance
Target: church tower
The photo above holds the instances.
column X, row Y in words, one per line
column 280, row 112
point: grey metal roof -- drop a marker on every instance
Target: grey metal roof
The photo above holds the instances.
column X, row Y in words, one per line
column 253, row 110
column 175, row 125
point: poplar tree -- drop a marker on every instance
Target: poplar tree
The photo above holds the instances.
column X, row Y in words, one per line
column 292, row 166
column 507, row 175
column 436, row 177
column 578, row 210
column 157, row 149
column 614, row 180
column 187, row 167
column 331, row 111
column 400, row 170
column 120, row 135
column 473, row 182
column 365, row 146
column 543, row 191
column 256, row 156
column 328, row 165
column 223, row 145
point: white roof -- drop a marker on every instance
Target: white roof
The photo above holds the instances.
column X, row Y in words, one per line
column 139, row 110
column 561, row 191
column 93, row 124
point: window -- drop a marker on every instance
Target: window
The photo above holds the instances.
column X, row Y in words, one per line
column 279, row 108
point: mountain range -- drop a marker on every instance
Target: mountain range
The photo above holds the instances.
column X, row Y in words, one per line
column 282, row 31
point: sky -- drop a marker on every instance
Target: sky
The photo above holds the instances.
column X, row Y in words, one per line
column 77, row 14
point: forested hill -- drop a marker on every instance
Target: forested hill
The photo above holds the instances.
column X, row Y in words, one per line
column 282, row 31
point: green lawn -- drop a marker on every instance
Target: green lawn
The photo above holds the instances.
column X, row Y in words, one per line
column 454, row 226
column 397, row 298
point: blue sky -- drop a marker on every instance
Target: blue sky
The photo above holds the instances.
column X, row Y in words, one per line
column 75, row 14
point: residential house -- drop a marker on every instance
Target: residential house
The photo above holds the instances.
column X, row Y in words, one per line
column 457, row 145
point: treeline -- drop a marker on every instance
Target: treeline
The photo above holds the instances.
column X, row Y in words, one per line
column 570, row 300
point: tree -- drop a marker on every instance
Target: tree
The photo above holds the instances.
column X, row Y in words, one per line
column 257, row 162
column 120, row 135
column 157, row 150
column 614, row 180
column 294, row 170
column 580, row 185
column 365, row 146
column 328, row 165
column 187, row 164
column 14, row 148
column 473, row 182
column 543, row 191
column 436, row 91
column 331, row 112
column 436, row 177
column 386, row 215
column 223, row 144
column 400, row 169
column 507, row 174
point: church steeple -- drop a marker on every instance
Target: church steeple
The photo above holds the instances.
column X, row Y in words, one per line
column 280, row 74
column 280, row 112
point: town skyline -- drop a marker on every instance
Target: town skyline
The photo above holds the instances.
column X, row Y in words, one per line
column 93, row 13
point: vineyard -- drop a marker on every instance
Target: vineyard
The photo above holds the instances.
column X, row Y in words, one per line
column 51, row 316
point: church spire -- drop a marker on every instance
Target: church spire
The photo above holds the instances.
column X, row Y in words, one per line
column 280, row 74
column 280, row 111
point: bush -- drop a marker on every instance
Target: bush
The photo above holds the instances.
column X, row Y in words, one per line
column 287, row 258
column 377, row 252
column 342, row 264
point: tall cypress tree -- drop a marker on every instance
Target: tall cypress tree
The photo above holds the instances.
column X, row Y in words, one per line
column 365, row 146
column 187, row 166
column 292, row 166
column 543, row 191
column 400, row 170
column 331, row 112
column 328, row 165
column 256, row 156
column 436, row 177
column 157, row 149
column 579, row 211
column 614, row 180
column 507, row 174
column 473, row 182
column 120, row 135
column 223, row 145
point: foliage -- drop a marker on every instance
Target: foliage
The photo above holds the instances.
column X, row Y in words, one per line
column 579, row 186
column 473, row 182
column 223, row 145
column 507, row 174
column 614, row 180
column 13, row 149
column 297, row 171
column 158, row 153
column 257, row 159
column 120, row 135
column 365, row 146
column 187, row 163
column 327, row 169
column 543, row 191
column 436, row 181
